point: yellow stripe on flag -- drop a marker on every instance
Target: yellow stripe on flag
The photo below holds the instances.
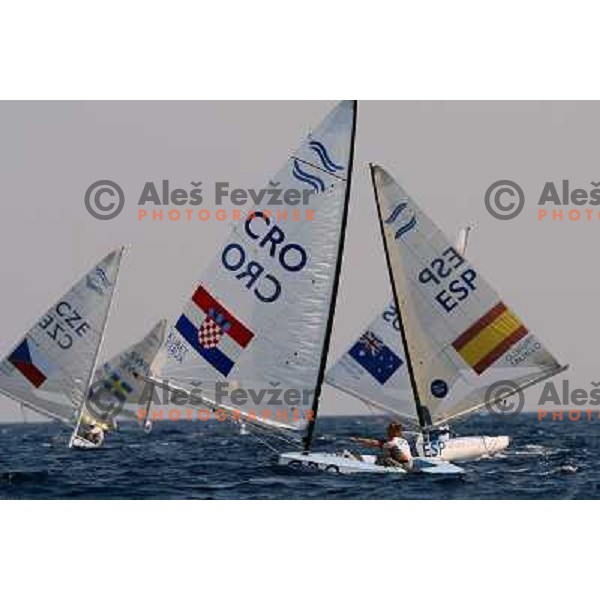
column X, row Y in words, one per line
column 490, row 337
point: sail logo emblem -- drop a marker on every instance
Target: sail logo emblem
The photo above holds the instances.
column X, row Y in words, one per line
column 300, row 172
column 324, row 157
column 439, row 388
column 408, row 219
column 98, row 281
column 213, row 332
column 380, row 361
column 212, row 329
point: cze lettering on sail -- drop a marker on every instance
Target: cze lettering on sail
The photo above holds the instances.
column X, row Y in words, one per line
column 274, row 246
column 63, row 324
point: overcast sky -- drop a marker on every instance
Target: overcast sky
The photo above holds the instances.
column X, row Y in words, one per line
column 445, row 154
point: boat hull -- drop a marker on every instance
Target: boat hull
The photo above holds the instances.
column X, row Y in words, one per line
column 346, row 465
column 463, row 448
column 82, row 444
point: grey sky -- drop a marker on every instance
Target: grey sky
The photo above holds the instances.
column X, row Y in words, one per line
column 445, row 154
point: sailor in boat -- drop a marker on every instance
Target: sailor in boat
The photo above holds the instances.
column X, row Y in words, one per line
column 395, row 450
column 94, row 434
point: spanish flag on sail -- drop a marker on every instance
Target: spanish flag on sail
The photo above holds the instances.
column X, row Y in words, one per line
column 489, row 338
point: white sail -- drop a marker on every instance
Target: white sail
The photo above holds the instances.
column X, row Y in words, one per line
column 461, row 337
column 120, row 385
column 50, row 369
column 374, row 369
column 259, row 315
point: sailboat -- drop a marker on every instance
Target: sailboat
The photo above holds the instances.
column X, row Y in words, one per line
column 119, row 390
column 459, row 338
column 51, row 369
column 372, row 371
column 252, row 340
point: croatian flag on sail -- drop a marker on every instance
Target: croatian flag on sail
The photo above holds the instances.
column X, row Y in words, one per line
column 213, row 332
column 374, row 356
column 31, row 363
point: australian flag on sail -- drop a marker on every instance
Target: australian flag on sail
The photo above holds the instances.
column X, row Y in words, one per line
column 213, row 332
column 374, row 356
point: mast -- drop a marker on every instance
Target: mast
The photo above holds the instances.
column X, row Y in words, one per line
column 93, row 369
column 336, row 281
column 411, row 374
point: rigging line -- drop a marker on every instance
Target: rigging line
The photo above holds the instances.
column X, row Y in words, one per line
column 318, row 168
column 274, row 434
column 372, row 404
column 265, row 443
column 23, row 413
column 291, row 442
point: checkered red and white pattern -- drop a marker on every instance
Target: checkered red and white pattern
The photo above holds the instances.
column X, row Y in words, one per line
column 210, row 333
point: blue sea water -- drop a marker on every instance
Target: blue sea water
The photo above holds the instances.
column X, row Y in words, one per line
column 211, row 460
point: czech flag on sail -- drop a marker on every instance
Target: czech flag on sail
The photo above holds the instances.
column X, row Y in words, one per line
column 31, row 363
column 489, row 338
column 374, row 356
column 213, row 332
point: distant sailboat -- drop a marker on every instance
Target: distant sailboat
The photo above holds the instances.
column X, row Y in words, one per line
column 373, row 370
column 50, row 370
column 259, row 318
column 120, row 384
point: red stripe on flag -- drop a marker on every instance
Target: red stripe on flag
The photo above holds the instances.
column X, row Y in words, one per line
column 30, row 372
column 500, row 349
column 470, row 333
column 237, row 330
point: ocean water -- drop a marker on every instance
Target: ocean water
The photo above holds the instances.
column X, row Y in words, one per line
column 211, row 460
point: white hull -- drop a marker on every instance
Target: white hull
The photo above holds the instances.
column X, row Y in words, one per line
column 83, row 444
column 336, row 463
column 463, row 448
